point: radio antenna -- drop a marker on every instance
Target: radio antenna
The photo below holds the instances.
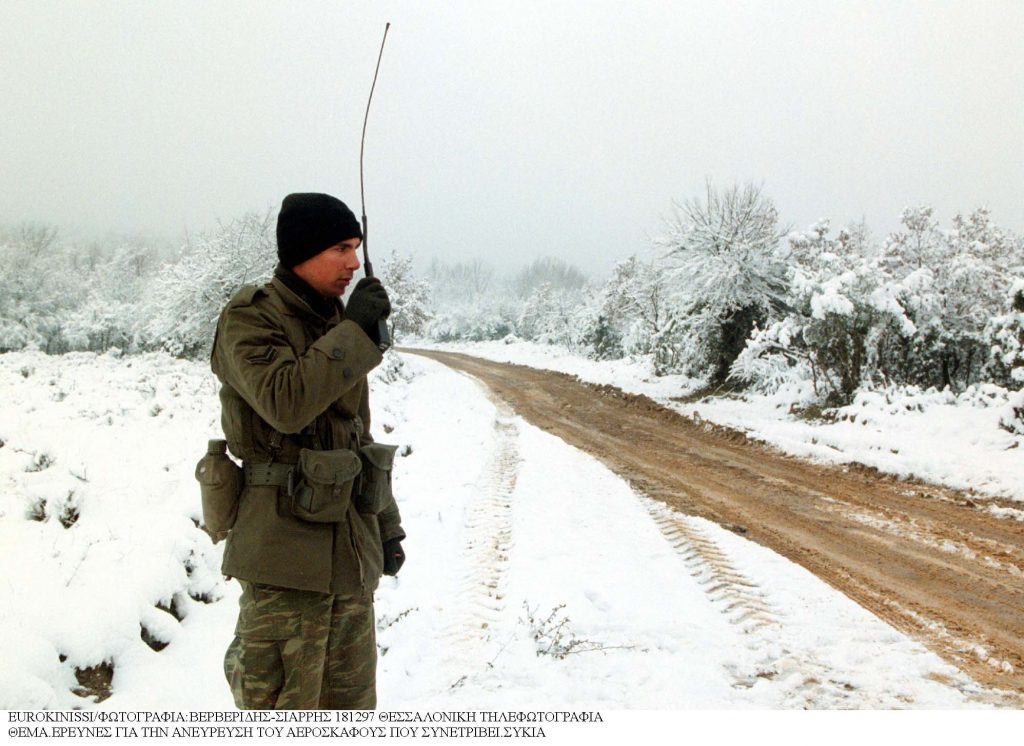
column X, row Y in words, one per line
column 382, row 327
column 362, row 149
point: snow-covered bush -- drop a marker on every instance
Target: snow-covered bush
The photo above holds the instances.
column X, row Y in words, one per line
column 410, row 297
column 1006, row 334
column 1012, row 417
column 726, row 272
column 549, row 315
column 468, row 304
column 635, row 306
column 953, row 283
column 840, row 305
column 109, row 314
column 919, row 311
column 186, row 297
column 543, row 302
column 36, row 288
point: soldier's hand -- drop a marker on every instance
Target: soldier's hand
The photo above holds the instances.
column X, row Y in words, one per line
column 394, row 556
column 367, row 305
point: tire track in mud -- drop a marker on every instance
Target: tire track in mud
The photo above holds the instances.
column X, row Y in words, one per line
column 935, row 563
column 480, row 599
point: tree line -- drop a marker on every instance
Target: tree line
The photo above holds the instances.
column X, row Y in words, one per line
column 726, row 295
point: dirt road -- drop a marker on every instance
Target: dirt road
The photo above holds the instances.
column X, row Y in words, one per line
column 932, row 562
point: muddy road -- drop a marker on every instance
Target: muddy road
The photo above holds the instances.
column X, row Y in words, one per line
column 933, row 562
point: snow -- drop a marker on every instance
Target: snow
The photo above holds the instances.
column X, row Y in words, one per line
column 933, row 436
column 535, row 576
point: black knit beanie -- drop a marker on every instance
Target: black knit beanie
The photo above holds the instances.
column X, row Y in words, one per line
column 309, row 223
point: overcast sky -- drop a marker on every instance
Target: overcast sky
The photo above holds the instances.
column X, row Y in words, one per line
column 508, row 130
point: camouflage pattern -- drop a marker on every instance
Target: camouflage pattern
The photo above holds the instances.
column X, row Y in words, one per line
column 302, row 650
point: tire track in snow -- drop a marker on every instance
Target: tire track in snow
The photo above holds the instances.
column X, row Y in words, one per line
column 480, row 599
column 735, row 595
column 803, row 680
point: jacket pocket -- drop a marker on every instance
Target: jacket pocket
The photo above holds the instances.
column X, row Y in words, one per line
column 324, row 490
column 374, row 486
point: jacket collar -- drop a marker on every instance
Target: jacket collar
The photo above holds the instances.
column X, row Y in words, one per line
column 302, row 298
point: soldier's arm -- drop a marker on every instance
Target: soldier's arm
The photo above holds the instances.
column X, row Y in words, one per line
column 390, row 522
column 252, row 354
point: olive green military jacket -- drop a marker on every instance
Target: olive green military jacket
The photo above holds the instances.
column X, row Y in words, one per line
column 292, row 378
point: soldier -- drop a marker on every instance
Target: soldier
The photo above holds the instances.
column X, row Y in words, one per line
column 311, row 539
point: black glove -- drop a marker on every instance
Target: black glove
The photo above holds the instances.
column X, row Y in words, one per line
column 394, row 557
column 367, row 305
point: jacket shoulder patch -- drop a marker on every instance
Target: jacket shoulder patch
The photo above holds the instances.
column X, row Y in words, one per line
column 263, row 358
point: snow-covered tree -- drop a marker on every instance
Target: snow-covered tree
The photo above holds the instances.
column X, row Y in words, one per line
column 185, row 298
column 727, row 273
column 552, row 271
column 36, row 289
column 840, row 307
column 410, row 297
column 631, row 314
column 954, row 283
column 1006, row 334
column 109, row 313
column 551, row 315
column 468, row 303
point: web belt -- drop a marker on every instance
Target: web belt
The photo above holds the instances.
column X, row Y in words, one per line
column 269, row 475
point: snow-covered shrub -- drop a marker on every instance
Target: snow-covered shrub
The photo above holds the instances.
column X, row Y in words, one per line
column 35, row 289
column 1012, row 417
column 109, row 314
column 840, row 305
column 1006, row 334
column 635, row 307
column 549, row 315
column 599, row 337
column 410, row 297
column 468, row 304
column 185, row 298
column 953, row 283
column 469, row 324
column 727, row 275
column 543, row 302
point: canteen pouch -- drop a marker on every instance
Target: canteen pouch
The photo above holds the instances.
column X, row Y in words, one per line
column 323, row 491
column 374, row 491
column 220, row 484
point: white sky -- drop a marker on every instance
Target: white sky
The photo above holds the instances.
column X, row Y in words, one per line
column 508, row 130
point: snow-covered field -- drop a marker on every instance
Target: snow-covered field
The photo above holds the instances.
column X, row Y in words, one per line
column 935, row 436
column 535, row 576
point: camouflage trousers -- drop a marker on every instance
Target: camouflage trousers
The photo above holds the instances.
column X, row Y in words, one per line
column 302, row 650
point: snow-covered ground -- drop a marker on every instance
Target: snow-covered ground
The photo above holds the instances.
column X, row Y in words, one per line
column 935, row 436
column 535, row 576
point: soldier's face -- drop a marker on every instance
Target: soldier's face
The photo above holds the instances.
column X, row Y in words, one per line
column 330, row 271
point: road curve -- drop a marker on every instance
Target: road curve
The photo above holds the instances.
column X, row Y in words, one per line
column 933, row 562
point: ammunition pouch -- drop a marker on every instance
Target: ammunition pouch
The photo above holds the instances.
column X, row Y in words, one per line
column 373, row 490
column 321, row 488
